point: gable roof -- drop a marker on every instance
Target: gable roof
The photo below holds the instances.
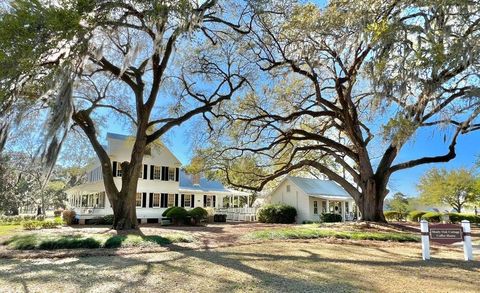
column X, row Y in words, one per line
column 206, row 185
column 116, row 136
column 319, row 187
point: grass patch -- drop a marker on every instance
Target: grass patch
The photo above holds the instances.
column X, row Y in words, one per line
column 9, row 229
column 51, row 242
column 312, row 233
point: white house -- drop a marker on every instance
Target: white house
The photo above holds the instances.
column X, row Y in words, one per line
column 312, row 197
column 161, row 185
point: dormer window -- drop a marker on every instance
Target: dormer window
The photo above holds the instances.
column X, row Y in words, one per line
column 196, row 179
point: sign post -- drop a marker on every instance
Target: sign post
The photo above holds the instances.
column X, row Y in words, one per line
column 467, row 240
column 446, row 234
column 425, row 240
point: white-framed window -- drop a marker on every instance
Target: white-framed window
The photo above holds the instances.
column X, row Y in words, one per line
column 157, row 172
column 171, row 174
column 119, row 170
column 288, row 188
column 171, row 200
column 156, row 200
column 138, row 200
column 187, row 200
column 209, row 201
column 315, row 207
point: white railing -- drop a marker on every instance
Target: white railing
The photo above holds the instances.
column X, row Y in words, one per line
column 238, row 214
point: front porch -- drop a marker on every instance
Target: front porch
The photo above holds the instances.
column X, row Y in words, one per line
column 341, row 206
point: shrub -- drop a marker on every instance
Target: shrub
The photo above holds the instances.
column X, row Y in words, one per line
column 432, row 217
column 164, row 214
column 457, row 218
column 178, row 215
column 393, row 215
column 106, row 220
column 277, row 213
column 68, row 216
column 57, row 213
column 197, row 214
column 47, row 224
column 330, row 218
column 415, row 216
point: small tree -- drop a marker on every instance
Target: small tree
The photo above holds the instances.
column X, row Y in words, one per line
column 455, row 188
column 399, row 203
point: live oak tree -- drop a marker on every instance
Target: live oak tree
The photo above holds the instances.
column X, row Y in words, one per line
column 155, row 63
column 344, row 87
column 455, row 188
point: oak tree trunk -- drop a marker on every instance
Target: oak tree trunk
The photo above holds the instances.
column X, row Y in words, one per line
column 372, row 199
column 124, row 212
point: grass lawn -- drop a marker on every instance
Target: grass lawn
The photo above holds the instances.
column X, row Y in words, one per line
column 288, row 266
column 315, row 231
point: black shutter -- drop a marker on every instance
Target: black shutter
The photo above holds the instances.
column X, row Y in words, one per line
column 204, row 200
column 177, row 174
column 176, row 200
column 183, row 200
column 214, row 200
column 164, row 173
column 150, row 202
column 162, row 201
column 151, row 172
column 192, row 201
column 144, row 201
column 114, row 169
column 145, row 169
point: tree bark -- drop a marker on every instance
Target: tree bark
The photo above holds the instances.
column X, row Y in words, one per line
column 124, row 212
column 372, row 199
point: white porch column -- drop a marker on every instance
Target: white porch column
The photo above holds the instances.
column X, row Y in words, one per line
column 328, row 206
column 343, row 211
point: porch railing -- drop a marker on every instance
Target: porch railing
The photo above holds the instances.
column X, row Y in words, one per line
column 238, row 214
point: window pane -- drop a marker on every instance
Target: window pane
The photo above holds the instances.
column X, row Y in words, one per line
column 157, row 172
column 187, row 200
column 171, row 200
column 171, row 174
column 139, row 199
column 119, row 170
column 156, row 199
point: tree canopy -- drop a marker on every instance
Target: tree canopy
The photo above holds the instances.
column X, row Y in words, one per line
column 455, row 188
column 344, row 87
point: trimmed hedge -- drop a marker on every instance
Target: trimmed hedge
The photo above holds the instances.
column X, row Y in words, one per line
column 164, row 214
column 277, row 213
column 415, row 216
column 198, row 214
column 457, row 218
column 330, row 218
column 106, row 220
column 393, row 215
column 432, row 217
column 178, row 214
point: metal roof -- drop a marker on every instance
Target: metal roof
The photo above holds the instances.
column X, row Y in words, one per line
column 320, row 187
column 117, row 136
column 205, row 184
